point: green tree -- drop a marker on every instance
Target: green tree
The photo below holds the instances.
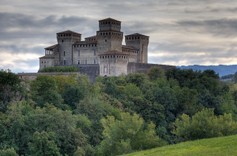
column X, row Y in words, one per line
column 8, row 152
column 43, row 144
column 127, row 134
column 23, row 121
column 187, row 101
column 137, row 78
column 204, row 124
column 95, row 108
column 10, row 89
column 72, row 95
column 44, row 90
column 155, row 73
column 75, row 90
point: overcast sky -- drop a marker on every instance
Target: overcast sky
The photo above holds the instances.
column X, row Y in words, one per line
column 182, row 32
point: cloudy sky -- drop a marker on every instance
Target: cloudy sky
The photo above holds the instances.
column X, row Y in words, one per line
column 182, row 32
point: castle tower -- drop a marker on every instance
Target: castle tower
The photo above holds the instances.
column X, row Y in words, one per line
column 65, row 41
column 109, row 36
column 140, row 42
column 113, row 63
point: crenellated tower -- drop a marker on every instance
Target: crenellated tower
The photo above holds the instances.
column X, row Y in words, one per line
column 109, row 36
column 140, row 42
column 65, row 41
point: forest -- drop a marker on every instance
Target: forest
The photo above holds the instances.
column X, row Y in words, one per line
column 70, row 116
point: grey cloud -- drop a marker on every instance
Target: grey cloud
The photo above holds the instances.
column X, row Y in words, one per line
column 27, row 25
column 218, row 27
column 141, row 27
column 180, row 59
column 227, row 9
column 177, row 47
column 18, row 48
column 29, row 62
column 21, row 31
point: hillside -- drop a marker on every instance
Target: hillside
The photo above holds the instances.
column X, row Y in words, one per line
column 220, row 69
column 216, row 146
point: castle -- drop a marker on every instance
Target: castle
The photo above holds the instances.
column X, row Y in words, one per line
column 102, row 54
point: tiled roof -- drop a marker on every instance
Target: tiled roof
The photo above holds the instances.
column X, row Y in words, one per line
column 137, row 34
column 68, row 31
column 47, row 57
column 51, row 47
column 109, row 19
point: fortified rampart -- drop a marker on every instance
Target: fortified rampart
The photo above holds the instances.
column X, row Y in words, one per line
column 33, row 76
column 144, row 67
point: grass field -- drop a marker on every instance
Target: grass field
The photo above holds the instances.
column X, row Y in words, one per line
column 221, row 146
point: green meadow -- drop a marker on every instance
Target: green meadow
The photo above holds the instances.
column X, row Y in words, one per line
column 220, row 146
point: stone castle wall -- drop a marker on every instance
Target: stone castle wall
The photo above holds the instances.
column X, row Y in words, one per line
column 144, row 67
column 91, row 70
column 85, row 53
column 33, row 76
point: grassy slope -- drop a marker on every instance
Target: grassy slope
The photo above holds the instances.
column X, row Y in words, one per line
column 221, row 146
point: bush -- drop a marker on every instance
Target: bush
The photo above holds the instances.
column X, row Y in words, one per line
column 60, row 69
column 8, row 152
column 130, row 133
column 204, row 124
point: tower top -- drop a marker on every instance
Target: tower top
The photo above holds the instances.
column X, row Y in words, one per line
column 109, row 19
column 68, row 32
column 137, row 34
column 109, row 24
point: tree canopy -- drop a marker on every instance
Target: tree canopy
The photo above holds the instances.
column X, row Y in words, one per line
column 68, row 115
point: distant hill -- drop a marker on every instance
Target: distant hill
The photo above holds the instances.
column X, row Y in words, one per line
column 215, row 146
column 222, row 70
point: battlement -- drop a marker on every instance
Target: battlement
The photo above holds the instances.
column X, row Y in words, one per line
column 85, row 44
column 109, row 24
column 136, row 36
column 91, row 39
column 68, row 34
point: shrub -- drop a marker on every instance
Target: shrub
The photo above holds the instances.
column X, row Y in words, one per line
column 60, row 69
column 204, row 124
column 8, row 152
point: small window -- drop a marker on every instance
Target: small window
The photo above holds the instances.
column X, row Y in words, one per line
column 78, row 62
column 105, row 40
column 62, row 41
column 64, row 53
column 78, row 52
column 64, row 62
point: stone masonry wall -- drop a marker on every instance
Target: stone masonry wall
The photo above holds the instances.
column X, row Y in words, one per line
column 144, row 67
